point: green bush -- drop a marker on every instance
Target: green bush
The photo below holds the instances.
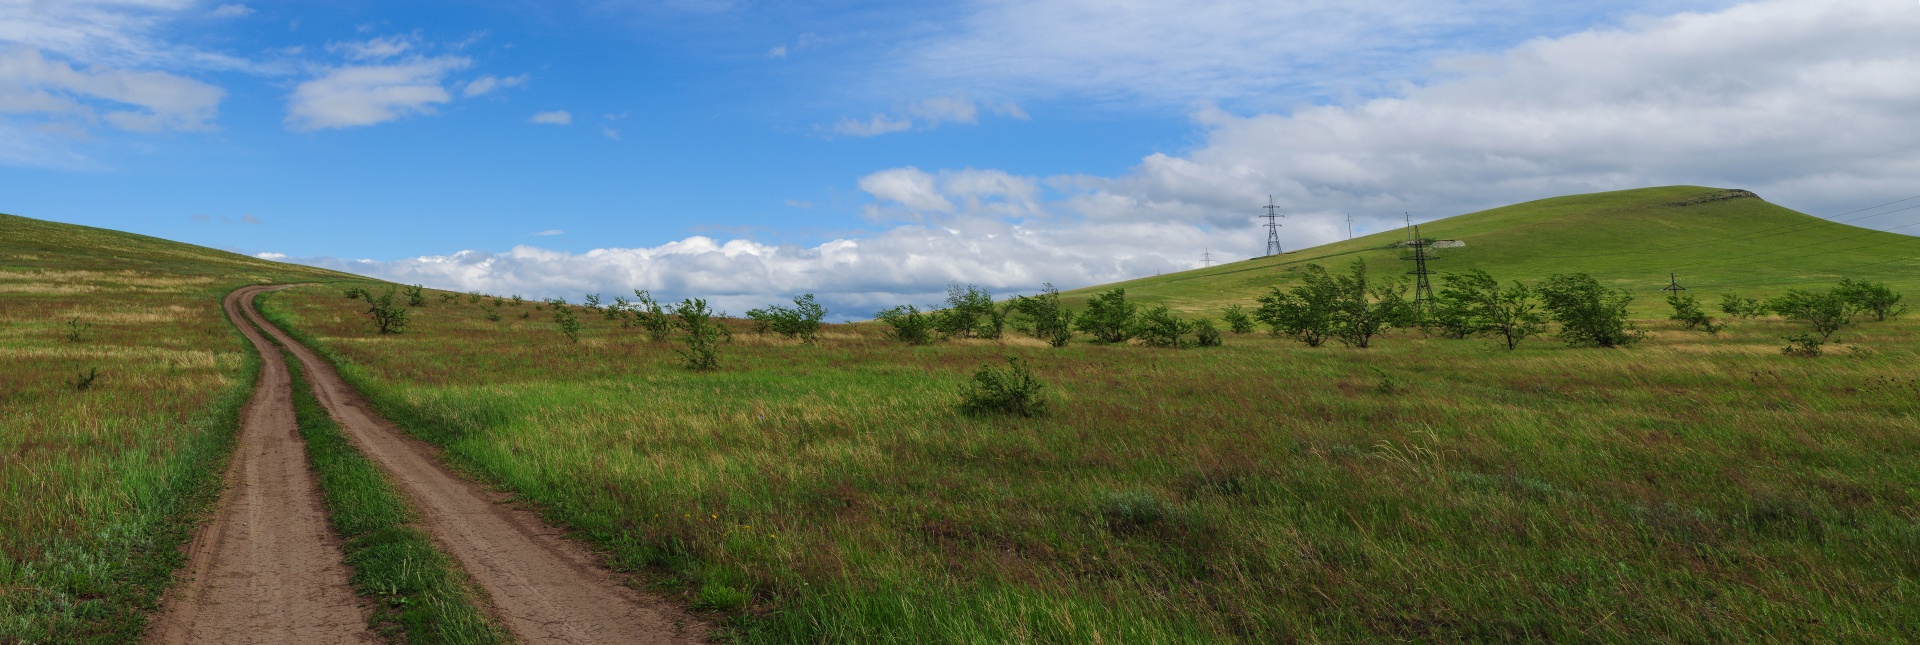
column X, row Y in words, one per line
column 1044, row 318
column 564, row 318
column 1304, row 313
column 801, row 321
column 1738, row 307
column 650, row 316
column 1158, row 327
column 970, row 312
column 1687, row 311
column 908, row 325
column 1205, row 334
column 1826, row 311
column 1364, row 307
column 1011, row 390
column 1803, row 344
column 1237, row 319
column 701, row 333
column 416, row 295
column 1590, row 315
column 1484, row 307
column 388, row 318
column 1870, row 297
column 1109, row 317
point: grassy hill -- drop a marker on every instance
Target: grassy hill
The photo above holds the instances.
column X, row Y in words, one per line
column 98, row 486
column 1717, row 240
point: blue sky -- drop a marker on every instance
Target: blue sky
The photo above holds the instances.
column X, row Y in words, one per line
column 875, row 151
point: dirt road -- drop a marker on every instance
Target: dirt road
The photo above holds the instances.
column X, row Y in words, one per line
column 267, row 569
column 544, row 588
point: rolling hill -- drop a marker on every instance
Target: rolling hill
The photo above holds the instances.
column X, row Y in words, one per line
column 1716, row 240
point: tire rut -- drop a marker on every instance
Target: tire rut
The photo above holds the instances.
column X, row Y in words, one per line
column 267, row 569
column 543, row 587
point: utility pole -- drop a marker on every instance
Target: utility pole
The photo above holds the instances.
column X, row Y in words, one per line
column 1273, row 227
column 1207, row 257
column 1673, row 285
column 1422, row 289
column 1349, row 226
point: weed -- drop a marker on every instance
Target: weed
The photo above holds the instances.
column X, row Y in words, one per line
column 76, row 330
column 1011, row 390
column 1387, row 384
column 84, row 380
column 1131, row 512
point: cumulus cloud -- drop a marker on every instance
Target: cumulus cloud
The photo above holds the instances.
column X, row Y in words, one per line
column 360, row 95
column 556, row 117
column 487, row 83
column 925, row 114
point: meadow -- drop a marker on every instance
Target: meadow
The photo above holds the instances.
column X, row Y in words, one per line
column 100, row 485
column 1693, row 488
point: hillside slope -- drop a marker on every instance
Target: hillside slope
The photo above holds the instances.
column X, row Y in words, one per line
column 120, row 386
column 1716, row 240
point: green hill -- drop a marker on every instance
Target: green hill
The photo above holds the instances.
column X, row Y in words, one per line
column 28, row 244
column 1716, row 240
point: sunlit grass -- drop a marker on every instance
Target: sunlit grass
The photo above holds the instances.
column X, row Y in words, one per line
column 1695, row 488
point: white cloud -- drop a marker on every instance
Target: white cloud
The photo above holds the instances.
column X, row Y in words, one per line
column 548, row 233
column 359, row 95
column 137, row 101
column 909, row 187
column 487, row 83
column 232, row 11
column 556, row 117
column 610, row 133
column 778, row 51
column 925, row 114
column 373, row 50
column 269, row 255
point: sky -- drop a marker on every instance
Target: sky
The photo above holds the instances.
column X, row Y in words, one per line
column 874, row 152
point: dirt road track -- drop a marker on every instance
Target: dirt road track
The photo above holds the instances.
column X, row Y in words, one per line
column 267, row 569
column 543, row 587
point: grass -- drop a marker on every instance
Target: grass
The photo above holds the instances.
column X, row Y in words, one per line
column 1630, row 239
column 1693, row 489
column 99, row 488
column 419, row 594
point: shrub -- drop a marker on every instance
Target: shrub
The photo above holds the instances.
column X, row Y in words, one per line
column 1109, row 317
column 593, row 301
column 969, row 312
column 1205, row 334
column 491, row 314
column 355, row 292
column 1803, row 344
column 1044, row 317
column 1687, row 311
column 650, row 316
column 1237, row 319
column 801, row 321
column 1305, row 312
column 83, row 381
column 617, row 310
column 908, row 325
column 1365, row 308
column 1590, row 315
column 517, row 300
column 416, row 295
column 1160, row 328
column 473, row 297
column 388, row 318
column 1738, row 307
column 1012, row 390
column 1870, row 297
column 1827, row 312
column 700, row 332
column 1487, row 308
column 76, row 330
column 447, row 298
column 1133, row 511
column 564, row 318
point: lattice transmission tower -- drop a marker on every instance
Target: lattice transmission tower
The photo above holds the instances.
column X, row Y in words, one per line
column 1422, row 288
column 1673, row 285
column 1273, row 227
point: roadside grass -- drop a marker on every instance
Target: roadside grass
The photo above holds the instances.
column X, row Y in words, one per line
column 1693, row 489
column 99, row 488
column 420, row 596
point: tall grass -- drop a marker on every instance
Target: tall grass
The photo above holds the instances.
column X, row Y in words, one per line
column 1693, row 489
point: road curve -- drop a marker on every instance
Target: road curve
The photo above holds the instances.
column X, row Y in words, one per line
column 544, row 588
column 267, row 568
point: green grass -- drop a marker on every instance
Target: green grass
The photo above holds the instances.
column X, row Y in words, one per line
column 1630, row 239
column 99, row 488
column 1693, row 489
column 419, row 595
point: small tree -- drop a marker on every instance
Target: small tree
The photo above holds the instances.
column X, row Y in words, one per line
column 1590, row 315
column 1045, row 318
column 650, row 316
column 1870, row 297
column 1109, row 317
column 1160, row 328
column 593, row 301
column 701, row 332
column 1488, row 308
column 1687, row 311
column 1827, row 312
column 969, row 312
column 801, row 321
column 569, row 325
column 388, row 318
column 416, row 295
column 1205, row 334
column 1454, row 312
column 355, row 292
column 908, row 325
column 1364, row 308
column 1738, row 307
column 473, row 297
column 1304, row 313
column 1237, row 319
column 1012, row 390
